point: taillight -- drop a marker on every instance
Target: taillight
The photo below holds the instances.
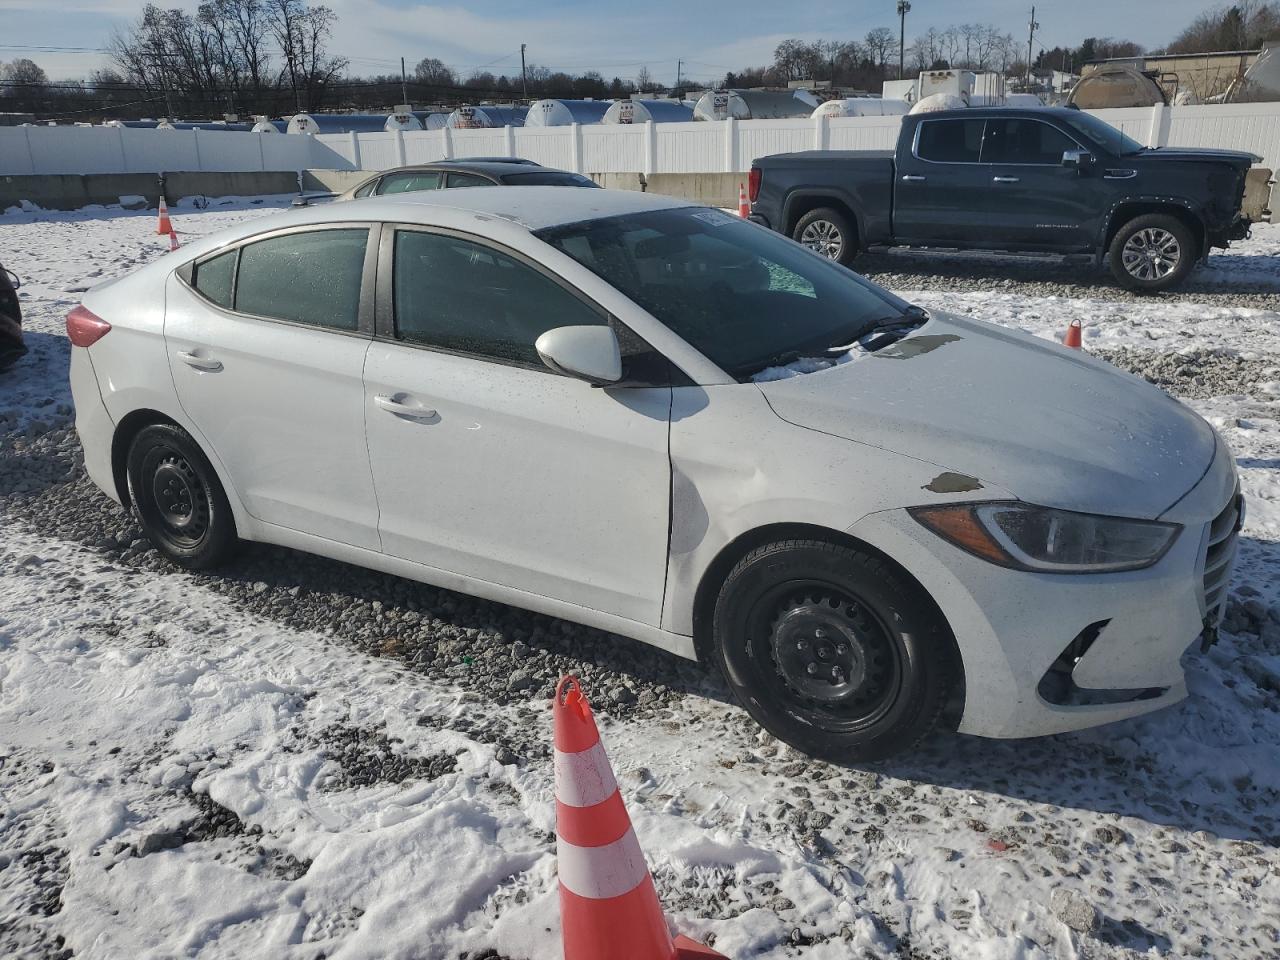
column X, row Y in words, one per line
column 85, row 328
column 753, row 184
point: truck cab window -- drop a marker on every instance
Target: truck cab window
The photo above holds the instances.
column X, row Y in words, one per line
column 950, row 141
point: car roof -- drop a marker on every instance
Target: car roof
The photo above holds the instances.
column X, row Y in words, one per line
column 534, row 208
column 985, row 113
column 494, row 168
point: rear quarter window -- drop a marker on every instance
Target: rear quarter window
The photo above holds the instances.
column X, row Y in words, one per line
column 214, row 277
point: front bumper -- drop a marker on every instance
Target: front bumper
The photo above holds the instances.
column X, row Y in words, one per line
column 1015, row 628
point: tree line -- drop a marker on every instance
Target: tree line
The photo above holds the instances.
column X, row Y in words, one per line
column 274, row 57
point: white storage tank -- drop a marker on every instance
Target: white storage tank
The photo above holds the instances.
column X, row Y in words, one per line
column 266, row 125
column 644, row 111
column 862, row 107
column 488, row 115
column 338, row 123
column 430, row 120
column 754, row 104
column 403, row 118
column 561, row 113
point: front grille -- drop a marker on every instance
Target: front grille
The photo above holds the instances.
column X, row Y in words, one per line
column 1221, row 551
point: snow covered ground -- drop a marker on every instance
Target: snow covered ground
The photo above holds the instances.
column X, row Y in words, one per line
column 298, row 759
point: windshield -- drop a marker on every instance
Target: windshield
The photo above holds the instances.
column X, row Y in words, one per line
column 1101, row 133
column 747, row 297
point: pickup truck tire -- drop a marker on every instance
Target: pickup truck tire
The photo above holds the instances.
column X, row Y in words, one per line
column 1152, row 252
column 828, row 232
column 833, row 650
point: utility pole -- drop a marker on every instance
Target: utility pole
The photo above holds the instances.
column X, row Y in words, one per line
column 404, row 93
column 679, row 64
column 1030, row 40
column 524, row 78
column 903, row 7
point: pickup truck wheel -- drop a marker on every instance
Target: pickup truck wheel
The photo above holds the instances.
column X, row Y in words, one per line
column 1152, row 252
column 828, row 232
column 832, row 650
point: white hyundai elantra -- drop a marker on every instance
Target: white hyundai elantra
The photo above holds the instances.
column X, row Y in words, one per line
column 662, row 421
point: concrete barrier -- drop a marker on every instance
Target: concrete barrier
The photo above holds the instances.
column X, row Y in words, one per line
column 712, row 189
column 70, row 191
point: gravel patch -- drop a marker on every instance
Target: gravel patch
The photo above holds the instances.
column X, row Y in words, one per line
column 1196, row 374
column 1075, row 277
column 366, row 757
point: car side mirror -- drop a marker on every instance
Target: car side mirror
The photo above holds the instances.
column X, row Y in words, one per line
column 590, row 353
column 1079, row 159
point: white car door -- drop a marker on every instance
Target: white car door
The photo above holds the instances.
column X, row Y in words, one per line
column 267, row 344
column 489, row 465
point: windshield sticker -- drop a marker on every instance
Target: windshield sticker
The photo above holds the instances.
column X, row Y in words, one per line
column 714, row 218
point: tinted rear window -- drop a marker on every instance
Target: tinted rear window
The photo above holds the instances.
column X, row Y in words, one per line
column 548, row 178
column 311, row 277
column 950, row 141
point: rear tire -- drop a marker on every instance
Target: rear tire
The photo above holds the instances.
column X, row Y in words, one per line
column 1152, row 252
column 828, row 233
column 833, row 650
column 179, row 498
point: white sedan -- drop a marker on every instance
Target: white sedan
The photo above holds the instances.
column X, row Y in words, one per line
column 661, row 421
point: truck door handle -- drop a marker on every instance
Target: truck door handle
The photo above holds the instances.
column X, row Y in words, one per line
column 1005, row 179
column 913, row 178
column 200, row 363
column 393, row 406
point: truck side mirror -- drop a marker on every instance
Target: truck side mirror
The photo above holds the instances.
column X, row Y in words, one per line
column 1079, row 159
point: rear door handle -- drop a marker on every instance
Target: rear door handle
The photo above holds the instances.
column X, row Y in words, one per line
column 1005, row 179
column 394, row 406
column 200, row 363
column 913, row 178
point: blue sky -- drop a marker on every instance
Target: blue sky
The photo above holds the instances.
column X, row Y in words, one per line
column 614, row 38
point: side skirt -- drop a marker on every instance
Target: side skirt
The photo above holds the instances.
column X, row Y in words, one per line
column 677, row 644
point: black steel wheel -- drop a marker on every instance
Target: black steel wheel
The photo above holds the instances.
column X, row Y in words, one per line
column 179, row 499
column 833, row 650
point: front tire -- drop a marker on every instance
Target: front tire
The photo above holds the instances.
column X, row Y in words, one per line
column 829, row 233
column 833, row 650
column 1152, row 253
column 180, row 501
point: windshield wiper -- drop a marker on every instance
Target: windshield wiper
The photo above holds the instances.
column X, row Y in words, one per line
column 911, row 316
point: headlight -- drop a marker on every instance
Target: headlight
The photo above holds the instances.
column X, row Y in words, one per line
column 1027, row 537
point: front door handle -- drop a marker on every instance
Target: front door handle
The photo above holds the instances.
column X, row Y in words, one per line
column 1005, row 179
column 200, row 363
column 913, row 178
column 394, row 406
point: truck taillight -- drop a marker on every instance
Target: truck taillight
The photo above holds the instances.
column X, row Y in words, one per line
column 753, row 184
column 85, row 328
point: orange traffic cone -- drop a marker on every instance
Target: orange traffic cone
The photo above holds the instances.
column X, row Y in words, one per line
column 1072, row 339
column 608, row 905
column 173, row 239
column 163, row 225
column 744, row 208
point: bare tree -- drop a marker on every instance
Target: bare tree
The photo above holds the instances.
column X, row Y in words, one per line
column 878, row 43
column 22, row 76
column 433, row 71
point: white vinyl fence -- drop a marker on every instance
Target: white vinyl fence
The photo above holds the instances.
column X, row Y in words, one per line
column 726, row 146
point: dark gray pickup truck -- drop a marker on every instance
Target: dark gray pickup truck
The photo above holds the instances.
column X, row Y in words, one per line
column 1054, row 180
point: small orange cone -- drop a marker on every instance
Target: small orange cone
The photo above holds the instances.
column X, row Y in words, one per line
column 163, row 225
column 173, row 239
column 1072, row 339
column 744, row 207
column 608, row 905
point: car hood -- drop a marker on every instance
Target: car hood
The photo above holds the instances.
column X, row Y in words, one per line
column 1236, row 158
column 1050, row 425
